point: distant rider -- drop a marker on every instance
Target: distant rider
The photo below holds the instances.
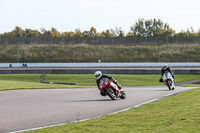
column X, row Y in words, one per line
column 99, row 76
column 165, row 68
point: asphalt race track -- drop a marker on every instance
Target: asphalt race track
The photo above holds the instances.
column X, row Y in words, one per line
column 26, row 109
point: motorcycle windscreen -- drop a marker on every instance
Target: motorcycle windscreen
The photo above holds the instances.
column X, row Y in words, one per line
column 103, row 83
column 102, row 80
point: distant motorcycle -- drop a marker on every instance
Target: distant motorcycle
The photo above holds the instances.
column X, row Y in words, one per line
column 168, row 80
column 111, row 89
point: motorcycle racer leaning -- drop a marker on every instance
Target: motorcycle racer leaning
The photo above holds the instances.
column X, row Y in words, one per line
column 99, row 76
column 165, row 68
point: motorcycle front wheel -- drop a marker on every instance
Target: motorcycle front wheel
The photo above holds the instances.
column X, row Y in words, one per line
column 123, row 95
column 169, row 85
column 111, row 93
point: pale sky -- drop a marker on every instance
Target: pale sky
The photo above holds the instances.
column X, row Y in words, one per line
column 67, row 15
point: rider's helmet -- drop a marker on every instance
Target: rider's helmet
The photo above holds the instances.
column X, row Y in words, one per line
column 165, row 66
column 98, row 74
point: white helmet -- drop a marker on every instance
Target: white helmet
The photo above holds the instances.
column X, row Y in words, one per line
column 165, row 66
column 98, row 74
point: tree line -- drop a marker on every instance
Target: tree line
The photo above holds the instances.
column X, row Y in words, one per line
column 141, row 28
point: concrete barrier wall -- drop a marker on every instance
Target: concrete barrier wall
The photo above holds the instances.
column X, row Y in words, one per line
column 90, row 68
column 92, row 71
column 112, row 65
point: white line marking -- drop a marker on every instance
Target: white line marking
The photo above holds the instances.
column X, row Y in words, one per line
column 99, row 116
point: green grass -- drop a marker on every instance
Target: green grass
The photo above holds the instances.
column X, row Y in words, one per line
column 147, row 80
column 32, row 81
column 18, row 85
column 193, row 85
column 175, row 114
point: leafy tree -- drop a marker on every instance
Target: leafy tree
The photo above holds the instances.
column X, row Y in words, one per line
column 19, row 32
column 54, row 32
column 150, row 27
column 181, row 34
column 198, row 33
column 142, row 27
column 106, row 33
column 86, row 33
column 44, row 32
column 6, row 34
column 69, row 34
column 168, row 32
column 78, row 33
column 129, row 34
column 93, row 31
column 189, row 33
column 117, row 32
column 33, row 33
column 36, row 33
column 192, row 33
column 50, row 33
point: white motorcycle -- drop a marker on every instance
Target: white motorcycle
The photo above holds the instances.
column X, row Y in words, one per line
column 168, row 80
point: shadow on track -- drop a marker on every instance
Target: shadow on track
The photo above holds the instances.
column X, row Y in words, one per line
column 96, row 100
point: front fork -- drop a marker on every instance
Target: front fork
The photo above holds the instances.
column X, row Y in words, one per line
column 172, row 83
column 118, row 85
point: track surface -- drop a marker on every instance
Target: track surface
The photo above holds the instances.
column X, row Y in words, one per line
column 25, row 109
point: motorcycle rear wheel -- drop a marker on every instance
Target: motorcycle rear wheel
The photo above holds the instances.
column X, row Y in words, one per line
column 111, row 93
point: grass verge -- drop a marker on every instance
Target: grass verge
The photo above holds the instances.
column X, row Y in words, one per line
column 178, row 113
column 175, row 114
column 32, row 81
column 149, row 52
column 19, row 85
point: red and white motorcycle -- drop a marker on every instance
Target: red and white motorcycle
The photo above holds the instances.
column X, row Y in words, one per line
column 111, row 89
column 168, row 80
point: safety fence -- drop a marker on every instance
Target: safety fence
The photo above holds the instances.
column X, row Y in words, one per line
column 99, row 40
